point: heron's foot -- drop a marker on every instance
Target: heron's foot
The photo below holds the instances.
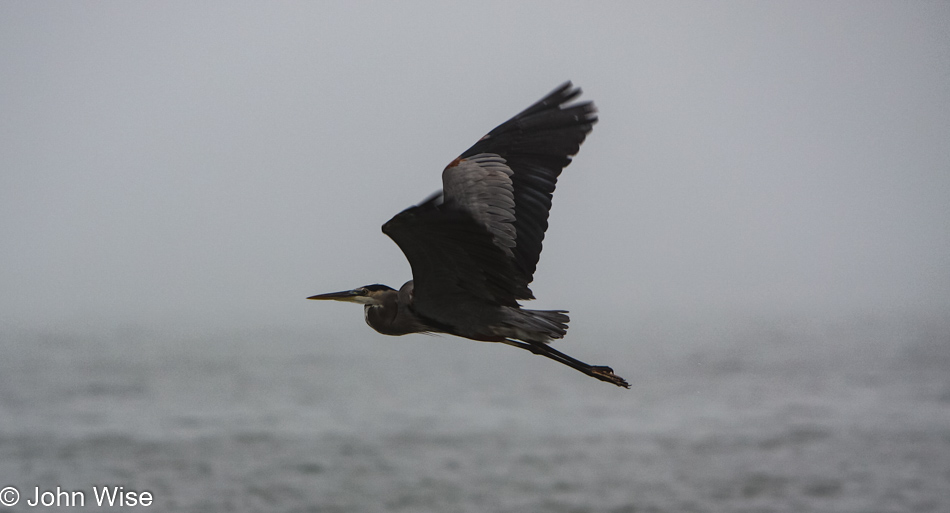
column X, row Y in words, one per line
column 604, row 373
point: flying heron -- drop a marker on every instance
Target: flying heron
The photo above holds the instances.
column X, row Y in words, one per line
column 474, row 245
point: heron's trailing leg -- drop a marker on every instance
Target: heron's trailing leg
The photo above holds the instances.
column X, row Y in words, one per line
column 600, row 372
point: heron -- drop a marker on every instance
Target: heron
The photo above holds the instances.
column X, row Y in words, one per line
column 474, row 246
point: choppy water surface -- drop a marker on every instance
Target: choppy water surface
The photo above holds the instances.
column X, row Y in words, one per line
column 783, row 417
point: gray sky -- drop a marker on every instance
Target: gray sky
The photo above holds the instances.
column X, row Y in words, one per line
column 213, row 164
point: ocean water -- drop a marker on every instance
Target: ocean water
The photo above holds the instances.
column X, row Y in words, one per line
column 850, row 416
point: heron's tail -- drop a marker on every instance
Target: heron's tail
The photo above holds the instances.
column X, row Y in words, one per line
column 536, row 325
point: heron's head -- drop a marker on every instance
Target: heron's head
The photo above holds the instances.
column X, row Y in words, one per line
column 365, row 295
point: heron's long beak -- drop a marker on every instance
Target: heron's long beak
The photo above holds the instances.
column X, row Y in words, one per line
column 344, row 295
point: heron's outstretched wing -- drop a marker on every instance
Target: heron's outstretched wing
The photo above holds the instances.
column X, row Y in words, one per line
column 479, row 241
column 535, row 146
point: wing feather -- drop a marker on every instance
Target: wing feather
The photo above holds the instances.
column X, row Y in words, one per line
column 536, row 145
column 480, row 185
column 479, row 241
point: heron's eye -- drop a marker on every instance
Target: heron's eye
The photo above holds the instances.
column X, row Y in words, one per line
column 363, row 291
